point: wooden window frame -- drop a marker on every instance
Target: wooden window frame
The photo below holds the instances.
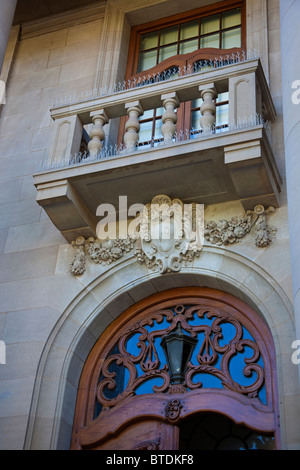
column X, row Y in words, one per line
column 137, row 32
column 184, row 111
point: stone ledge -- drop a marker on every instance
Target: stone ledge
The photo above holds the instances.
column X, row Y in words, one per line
column 213, row 169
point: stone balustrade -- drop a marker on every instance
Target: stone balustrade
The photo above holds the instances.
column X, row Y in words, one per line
column 245, row 82
column 211, row 167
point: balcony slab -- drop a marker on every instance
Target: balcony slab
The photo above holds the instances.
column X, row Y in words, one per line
column 232, row 165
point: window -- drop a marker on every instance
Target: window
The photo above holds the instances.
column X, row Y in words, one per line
column 158, row 49
column 221, row 31
column 222, row 348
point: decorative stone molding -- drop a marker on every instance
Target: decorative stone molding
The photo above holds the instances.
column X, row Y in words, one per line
column 158, row 250
column 183, row 242
column 100, row 252
column 230, row 231
column 78, row 264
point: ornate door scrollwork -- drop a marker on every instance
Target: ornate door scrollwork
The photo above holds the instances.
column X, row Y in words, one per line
column 221, row 340
column 224, row 362
column 172, row 410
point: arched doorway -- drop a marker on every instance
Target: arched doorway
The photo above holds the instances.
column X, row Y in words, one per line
column 170, row 357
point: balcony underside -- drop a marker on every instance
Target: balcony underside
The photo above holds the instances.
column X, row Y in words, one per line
column 234, row 165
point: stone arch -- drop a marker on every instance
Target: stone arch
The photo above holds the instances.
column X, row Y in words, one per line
column 108, row 295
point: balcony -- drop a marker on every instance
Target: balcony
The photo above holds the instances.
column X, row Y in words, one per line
column 207, row 165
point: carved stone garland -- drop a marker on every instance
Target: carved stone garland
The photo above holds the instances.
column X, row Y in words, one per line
column 169, row 254
column 225, row 232
column 104, row 253
column 209, row 351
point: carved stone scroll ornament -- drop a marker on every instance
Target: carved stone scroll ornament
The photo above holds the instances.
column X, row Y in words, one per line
column 105, row 252
column 169, row 235
column 230, row 231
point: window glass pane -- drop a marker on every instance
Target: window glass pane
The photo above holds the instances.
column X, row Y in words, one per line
column 166, row 52
column 147, row 60
column 231, row 18
column 145, row 133
column 147, row 115
column 231, row 38
column 255, row 441
column 210, row 24
column 222, row 97
column 232, row 443
column 222, row 115
column 188, row 46
column 197, row 103
column 195, row 122
column 211, row 431
column 157, row 131
column 169, row 35
column 160, row 111
column 189, row 30
column 172, row 72
column 202, row 64
column 148, row 41
column 210, row 41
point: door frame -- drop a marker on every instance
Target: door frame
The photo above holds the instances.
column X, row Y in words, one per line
column 89, row 432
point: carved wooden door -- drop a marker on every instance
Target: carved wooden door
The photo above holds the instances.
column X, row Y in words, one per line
column 129, row 396
column 143, row 435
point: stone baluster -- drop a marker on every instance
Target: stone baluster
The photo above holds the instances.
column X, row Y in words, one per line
column 99, row 118
column 208, row 94
column 132, row 126
column 169, row 118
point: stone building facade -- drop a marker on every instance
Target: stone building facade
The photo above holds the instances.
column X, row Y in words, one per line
column 68, row 90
